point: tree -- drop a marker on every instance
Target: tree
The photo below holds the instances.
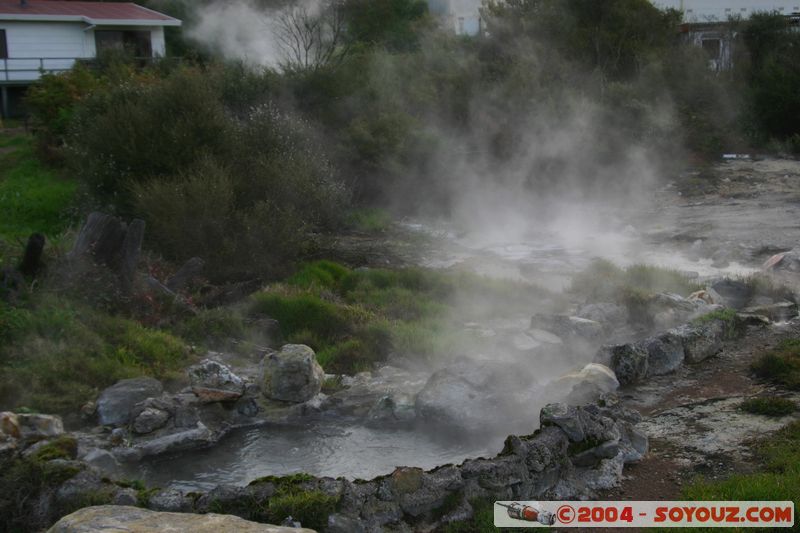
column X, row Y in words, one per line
column 311, row 38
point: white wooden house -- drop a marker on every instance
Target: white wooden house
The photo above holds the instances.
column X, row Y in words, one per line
column 50, row 35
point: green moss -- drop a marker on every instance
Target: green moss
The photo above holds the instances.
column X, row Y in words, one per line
column 369, row 220
column 64, row 447
column 732, row 325
column 769, row 406
column 781, row 365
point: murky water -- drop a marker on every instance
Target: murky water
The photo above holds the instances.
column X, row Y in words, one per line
column 322, row 450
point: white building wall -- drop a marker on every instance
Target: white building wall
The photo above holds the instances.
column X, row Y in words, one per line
column 54, row 46
column 460, row 16
column 56, row 43
column 699, row 11
column 157, row 41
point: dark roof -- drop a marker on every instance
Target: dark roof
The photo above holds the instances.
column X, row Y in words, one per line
column 90, row 12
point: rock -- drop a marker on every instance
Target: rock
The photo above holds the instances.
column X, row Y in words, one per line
column 292, row 374
column 701, row 341
column 118, row 436
column 665, row 353
column 37, row 427
column 214, row 382
column 777, row 312
column 115, row 403
column 544, row 337
column 734, row 293
column 149, row 420
column 106, row 518
column 565, row 417
column 786, row 262
column 170, row 500
column 568, row 327
column 466, row 395
column 198, row 437
column 628, row 361
column 594, row 455
column 190, row 269
column 125, row 497
column 9, row 425
column 610, row 315
column 103, row 460
column 339, row 523
column 589, row 383
column 392, row 409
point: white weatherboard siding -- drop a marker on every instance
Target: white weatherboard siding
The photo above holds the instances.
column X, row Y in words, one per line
column 57, row 43
column 699, row 11
column 54, row 46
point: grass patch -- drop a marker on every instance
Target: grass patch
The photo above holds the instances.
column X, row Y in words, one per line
column 781, row 364
column 369, row 220
column 482, row 521
column 55, row 355
column 779, row 480
column 732, row 325
column 64, row 447
column 605, row 281
column 355, row 318
column 769, row 406
column 33, row 197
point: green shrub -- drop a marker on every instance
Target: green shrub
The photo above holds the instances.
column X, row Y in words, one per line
column 769, row 406
column 302, row 312
column 604, row 280
column 781, row 365
column 212, row 326
column 320, row 274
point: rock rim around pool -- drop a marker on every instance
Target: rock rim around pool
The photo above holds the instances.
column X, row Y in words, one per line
column 291, row 374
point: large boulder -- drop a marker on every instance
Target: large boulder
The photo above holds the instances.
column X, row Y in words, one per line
column 665, row 353
column 732, row 293
column 37, row 427
column 213, row 381
column 701, row 341
column 569, row 327
column 104, row 518
column 628, row 361
column 292, row 374
column 586, row 384
column 115, row 403
column 468, row 395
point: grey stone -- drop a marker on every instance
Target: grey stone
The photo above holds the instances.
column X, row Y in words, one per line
column 594, row 455
column 213, row 381
column 665, row 353
column 106, row 518
column 701, row 341
column 115, row 403
column 339, row 523
column 628, row 361
column 37, row 427
column 734, row 293
column 103, row 460
column 569, row 327
column 292, row 374
column 150, row 420
column 125, row 497
column 565, row 417
column 610, row 315
column 777, row 312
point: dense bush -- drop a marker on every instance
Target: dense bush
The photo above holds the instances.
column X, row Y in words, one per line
column 241, row 189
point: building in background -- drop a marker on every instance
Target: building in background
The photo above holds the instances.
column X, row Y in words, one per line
column 463, row 17
column 51, row 35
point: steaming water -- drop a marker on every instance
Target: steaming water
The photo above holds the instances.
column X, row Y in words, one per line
column 546, row 252
column 323, row 450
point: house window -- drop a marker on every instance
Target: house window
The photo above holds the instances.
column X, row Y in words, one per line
column 134, row 42
column 712, row 47
column 3, row 45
